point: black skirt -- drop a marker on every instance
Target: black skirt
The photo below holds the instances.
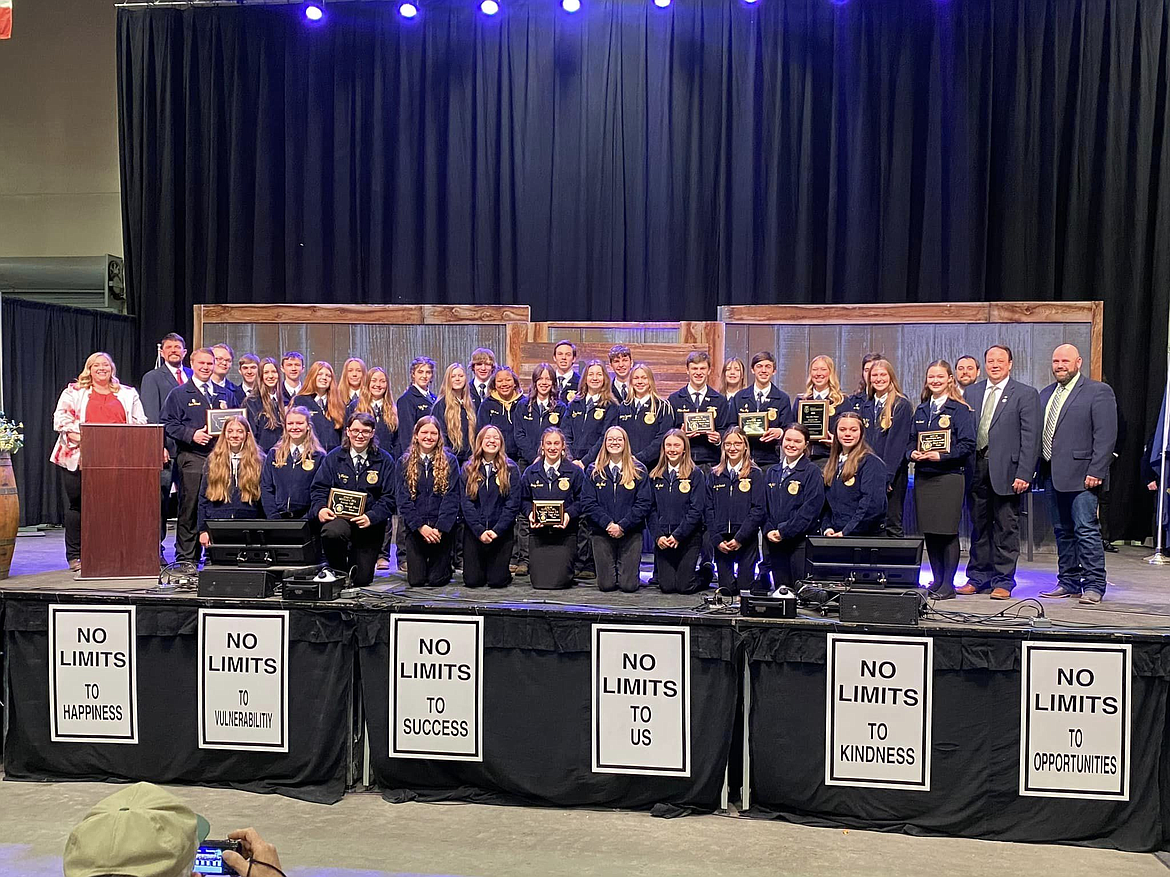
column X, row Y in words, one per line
column 939, row 502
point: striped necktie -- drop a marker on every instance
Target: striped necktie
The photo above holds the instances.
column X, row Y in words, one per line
column 1050, row 420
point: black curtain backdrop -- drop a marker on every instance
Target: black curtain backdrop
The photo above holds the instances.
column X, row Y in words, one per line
column 45, row 347
column 632, row 163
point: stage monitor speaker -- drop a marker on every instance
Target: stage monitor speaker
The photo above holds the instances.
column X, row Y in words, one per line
column 882, row 607
column 234, row 581
column 864, row 561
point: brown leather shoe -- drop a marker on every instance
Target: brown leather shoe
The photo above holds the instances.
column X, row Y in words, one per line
column 1001, row 594
column 966, row 590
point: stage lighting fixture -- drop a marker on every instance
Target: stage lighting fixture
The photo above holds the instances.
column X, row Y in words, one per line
column 408, row 10
column 489, row 7
column 571, row 5
column 314, row 11
column 661, row 4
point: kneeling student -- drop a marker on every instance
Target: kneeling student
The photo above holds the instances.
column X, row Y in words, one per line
column 615, row 499
column 286, row 478
column 552, row 546
column 679, row 492
column 735, row 510
column 855, row 483
column 231, row 478
column 489, row 493
column 428, row 499
column 359, row 465
column 794, row 498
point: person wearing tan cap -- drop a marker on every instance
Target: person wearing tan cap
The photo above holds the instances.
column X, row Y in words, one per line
column 145, row 831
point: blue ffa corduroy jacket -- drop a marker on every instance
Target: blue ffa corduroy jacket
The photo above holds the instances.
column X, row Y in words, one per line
column 490, row 510
column 336, row 470
column 605, row 499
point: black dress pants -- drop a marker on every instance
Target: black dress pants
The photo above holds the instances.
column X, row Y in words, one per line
column 352, row 549
column 676, row 566
column 618, row 561
column 737, row 570
column 896, row 503
column 428, row 565
column 487, row 564
column 190, row 468
column 995, row 533
column 72, row 483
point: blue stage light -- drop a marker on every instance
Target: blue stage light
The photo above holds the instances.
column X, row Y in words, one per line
column 408, row 10
column 570, row 5
column 489, row 7
column 661, row 4
column 314, row 12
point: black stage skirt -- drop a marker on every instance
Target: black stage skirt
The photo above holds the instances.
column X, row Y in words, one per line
column 939, row 499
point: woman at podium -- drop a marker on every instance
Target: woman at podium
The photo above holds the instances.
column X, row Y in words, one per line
column 97, row 396
column 231, row 478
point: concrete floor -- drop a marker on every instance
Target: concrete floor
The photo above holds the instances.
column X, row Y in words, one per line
column 362, row 836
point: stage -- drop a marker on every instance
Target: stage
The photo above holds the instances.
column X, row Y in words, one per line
column 1138, row 597
column 537, row 704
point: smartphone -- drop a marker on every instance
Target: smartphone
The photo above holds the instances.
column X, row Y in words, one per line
column 209, row 858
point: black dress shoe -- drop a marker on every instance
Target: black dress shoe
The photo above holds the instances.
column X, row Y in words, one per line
column 1060, row 592
column 1110, row 547
column 940, row 594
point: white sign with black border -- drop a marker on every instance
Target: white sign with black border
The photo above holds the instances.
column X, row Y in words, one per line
column 93, row 674
column 243, row 679
column 878, row 711
column 1075, row 707
column 436, row 687
column 641, row 700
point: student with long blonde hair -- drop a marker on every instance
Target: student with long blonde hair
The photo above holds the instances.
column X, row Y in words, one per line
column 645, row 416
column 489, row 495
column 455, row 412
column 888, row 413
column 615, row 500
column 287, row 474
column 231, row 478
column 939, row 480
column 679, row 493
column 734, row 512
column 353, row 378
column 824, row 385
column 375, row 400
column 322, row 395
column 428, row 500
column 265, row 411
column 855, row 482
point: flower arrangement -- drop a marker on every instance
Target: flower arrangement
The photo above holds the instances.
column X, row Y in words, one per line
column 11, row 435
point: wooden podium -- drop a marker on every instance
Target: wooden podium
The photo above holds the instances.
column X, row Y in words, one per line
column 119, row 500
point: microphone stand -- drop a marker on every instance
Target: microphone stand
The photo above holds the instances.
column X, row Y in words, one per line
column 1159, row 557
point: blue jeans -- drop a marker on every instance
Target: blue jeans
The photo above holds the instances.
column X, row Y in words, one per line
column 1079, row 550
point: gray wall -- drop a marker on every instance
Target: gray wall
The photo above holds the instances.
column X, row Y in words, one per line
column 58, row 131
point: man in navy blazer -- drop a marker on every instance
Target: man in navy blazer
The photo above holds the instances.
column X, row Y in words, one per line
column 1079, row 430
column 154, row 388
column 184, row 419
column 1007, row 443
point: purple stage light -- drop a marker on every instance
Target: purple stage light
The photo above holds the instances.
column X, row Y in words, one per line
column 570, row 5
column 489, row 7
column 408, row 10
column 314, row 12
column 661, row 4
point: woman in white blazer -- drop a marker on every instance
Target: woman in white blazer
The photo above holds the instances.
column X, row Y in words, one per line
column 95, row 397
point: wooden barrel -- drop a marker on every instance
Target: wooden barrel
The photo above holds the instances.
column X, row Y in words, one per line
column 9, row 514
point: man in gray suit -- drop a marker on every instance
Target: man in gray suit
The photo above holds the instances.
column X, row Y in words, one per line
column 1007, row 442
column 1076, row 448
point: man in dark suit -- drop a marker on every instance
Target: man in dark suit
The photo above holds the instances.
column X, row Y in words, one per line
column 224, row 357
column 1007, row 442
column 184, row 417
column 155, row 386
column 1076, row 447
